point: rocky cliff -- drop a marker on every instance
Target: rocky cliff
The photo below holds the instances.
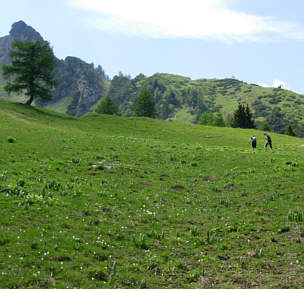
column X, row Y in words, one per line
column 20, row 31
column 79, row 81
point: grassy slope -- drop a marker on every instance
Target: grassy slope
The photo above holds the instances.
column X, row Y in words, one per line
column 61, row 105
column 2, row 83
column 172, row 205
column 3, row 94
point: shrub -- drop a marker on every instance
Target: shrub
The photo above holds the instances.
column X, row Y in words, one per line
column 11, row 139
column 289, row 131
column 107, row 106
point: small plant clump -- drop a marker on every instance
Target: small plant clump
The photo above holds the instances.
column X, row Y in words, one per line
column 296, row 216
column 11, row 139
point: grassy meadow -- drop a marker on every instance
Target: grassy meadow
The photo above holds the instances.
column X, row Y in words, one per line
column 110, row 202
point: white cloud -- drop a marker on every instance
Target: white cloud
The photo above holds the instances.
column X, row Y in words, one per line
column 264, row 85
column 183, row 19
column 279, row 83
column 276, row 83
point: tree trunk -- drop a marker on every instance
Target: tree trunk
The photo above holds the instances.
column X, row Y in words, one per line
column 29, row 102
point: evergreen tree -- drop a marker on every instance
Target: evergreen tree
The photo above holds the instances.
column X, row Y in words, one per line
column 31, row 70
column 242, row 117
column 218, row 120
column 249, row 118
column 145, row 105
column 238, row 118
column 289, row 131
column 107, row 106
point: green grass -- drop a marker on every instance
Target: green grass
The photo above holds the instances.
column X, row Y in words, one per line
column 109, row 202
column 61, row 105
column 183, row 115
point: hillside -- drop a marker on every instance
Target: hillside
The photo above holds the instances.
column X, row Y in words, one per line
column 111, row 202
column 82, row 86
column 182, row 99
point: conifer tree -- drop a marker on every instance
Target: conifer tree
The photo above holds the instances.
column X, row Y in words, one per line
column 242, row 117
column 31, row 70
column 218, row 120
column 107, row 106
column 145, row 105
column 238, row 118
column 249, row 118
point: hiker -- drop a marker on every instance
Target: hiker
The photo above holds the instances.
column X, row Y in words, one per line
column 268, row 142
column 253, row 142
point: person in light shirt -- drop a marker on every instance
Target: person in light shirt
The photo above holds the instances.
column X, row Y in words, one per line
column 253, row 141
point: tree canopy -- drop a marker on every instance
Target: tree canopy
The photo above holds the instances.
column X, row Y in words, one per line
column 206, row 118
column 145, row 105
column 31, row 70
column 242, row 117
column 209, row 118
column 218, row 120
column 107, row 106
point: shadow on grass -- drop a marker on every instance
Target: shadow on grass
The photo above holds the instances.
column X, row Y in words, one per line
column 37, row 110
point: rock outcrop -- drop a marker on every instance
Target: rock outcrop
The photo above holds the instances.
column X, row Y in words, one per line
column 79, row 81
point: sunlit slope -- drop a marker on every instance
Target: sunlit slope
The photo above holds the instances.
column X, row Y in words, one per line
column 110, row 202
column 35, row 118
column 179, row 98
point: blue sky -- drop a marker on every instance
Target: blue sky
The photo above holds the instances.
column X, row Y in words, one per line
column 257, row 41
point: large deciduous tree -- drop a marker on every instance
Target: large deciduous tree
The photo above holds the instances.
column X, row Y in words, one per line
column 32, row 70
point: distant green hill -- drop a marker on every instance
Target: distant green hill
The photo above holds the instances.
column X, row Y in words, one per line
column 110, row 202
column 180, row 98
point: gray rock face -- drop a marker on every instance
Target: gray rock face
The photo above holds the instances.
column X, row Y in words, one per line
column 20, row 31
column 76, row 79
column 82, row 81
column 23, row 32
column 5, row 45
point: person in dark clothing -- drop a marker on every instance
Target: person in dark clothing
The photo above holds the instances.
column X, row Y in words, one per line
column 268, row 141
column 253, row 142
